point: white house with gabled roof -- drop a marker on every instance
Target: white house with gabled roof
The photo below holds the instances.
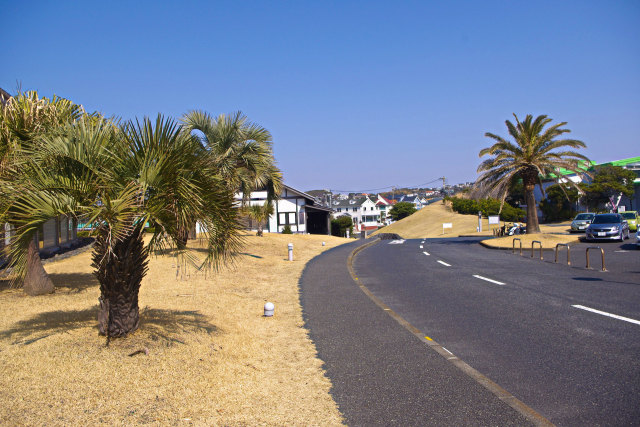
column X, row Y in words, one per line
column 364, row 212
column 295, row 208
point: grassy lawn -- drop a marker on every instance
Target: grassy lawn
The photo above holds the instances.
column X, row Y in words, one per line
column 427, row 222
column 205, row 354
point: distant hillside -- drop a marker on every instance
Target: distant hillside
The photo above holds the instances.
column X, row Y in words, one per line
column 427, row 222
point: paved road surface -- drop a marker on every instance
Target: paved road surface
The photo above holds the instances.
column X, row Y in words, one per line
column 515, row 320
column 381, row 373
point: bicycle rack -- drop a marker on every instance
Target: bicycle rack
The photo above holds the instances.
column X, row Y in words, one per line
column 513, row 250
column 568, row 252
column 601, row 252
column 532, row 245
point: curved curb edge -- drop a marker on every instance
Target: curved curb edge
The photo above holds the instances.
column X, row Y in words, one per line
column 502, row 394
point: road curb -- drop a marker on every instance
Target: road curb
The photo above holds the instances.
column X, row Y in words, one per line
column 502, row 394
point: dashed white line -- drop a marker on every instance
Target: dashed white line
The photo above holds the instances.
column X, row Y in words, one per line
column 444, row 263
column 421, row 247
column 426, row 253
column 604, row 313
column 488, row 280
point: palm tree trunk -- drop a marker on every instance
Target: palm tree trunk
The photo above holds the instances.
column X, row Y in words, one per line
column 36, row 280
column 183, row 235
column 532, row 211
column 120, row 274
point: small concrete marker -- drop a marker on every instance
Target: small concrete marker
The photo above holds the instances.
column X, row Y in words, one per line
column 268, row 309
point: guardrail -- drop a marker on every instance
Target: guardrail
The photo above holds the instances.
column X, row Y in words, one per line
column 533, row 244
column 513, row 250
column 568, row 252
column 601, row 252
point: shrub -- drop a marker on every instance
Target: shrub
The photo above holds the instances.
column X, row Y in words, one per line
column 340, row 225
column 556, row 206
column 402, row 210
column 287, row 229
column 488, row 206
column 84, row 233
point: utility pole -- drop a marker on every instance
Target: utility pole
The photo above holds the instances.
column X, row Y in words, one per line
column 444, row 192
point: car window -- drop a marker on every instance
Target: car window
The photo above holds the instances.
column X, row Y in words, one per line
column 582, row 217
column 629, row 215
column 606, row 219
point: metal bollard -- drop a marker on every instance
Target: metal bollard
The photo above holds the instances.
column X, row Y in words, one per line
column 601, row 252
column 290, row 246
column 532, row 244
column 568, row 252
column 513, row 250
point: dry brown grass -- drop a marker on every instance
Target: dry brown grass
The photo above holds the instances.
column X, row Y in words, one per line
column 213, row 359
column 427, row 222
column 549, row 241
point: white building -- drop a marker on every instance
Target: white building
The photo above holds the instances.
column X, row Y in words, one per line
column 364, row 212
column 299, row 210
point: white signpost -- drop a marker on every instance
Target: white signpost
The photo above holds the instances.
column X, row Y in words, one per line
column 446, row 225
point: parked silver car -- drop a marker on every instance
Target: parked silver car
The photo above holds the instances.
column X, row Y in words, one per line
column 610, row 226
column 581, row 221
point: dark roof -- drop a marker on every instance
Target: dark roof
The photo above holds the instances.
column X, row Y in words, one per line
column 4, row 95
column 410, row 199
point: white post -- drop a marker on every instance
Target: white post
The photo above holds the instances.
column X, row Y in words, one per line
column 290, row 246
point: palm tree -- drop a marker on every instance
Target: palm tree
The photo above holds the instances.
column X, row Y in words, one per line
column 260, row 214
column 122, row 177
column 24, row 120
column 533, row 154
column 241, row 150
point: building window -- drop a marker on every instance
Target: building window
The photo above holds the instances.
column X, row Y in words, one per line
column 286, row 218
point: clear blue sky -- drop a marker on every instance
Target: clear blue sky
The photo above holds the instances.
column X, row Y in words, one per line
column 357, row 94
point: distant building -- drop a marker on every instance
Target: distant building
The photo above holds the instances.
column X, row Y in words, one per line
column 302, row 212
column 364, row 212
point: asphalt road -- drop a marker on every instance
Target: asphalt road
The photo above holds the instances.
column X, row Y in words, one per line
column 381, row 374
column 527, row 324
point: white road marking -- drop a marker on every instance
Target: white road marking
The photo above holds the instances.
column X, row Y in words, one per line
column 604, row 313
column 396, row 242
column 421, row 247
column 488, row 280
column 444, row 263
column 447, row 351
column 426, row 253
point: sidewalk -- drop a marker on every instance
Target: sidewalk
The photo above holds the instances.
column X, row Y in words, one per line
column 381, row 373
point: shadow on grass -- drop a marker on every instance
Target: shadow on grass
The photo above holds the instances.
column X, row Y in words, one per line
column 197, row 250
column 5, row 284
column 76, row 282
column 156, row 324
